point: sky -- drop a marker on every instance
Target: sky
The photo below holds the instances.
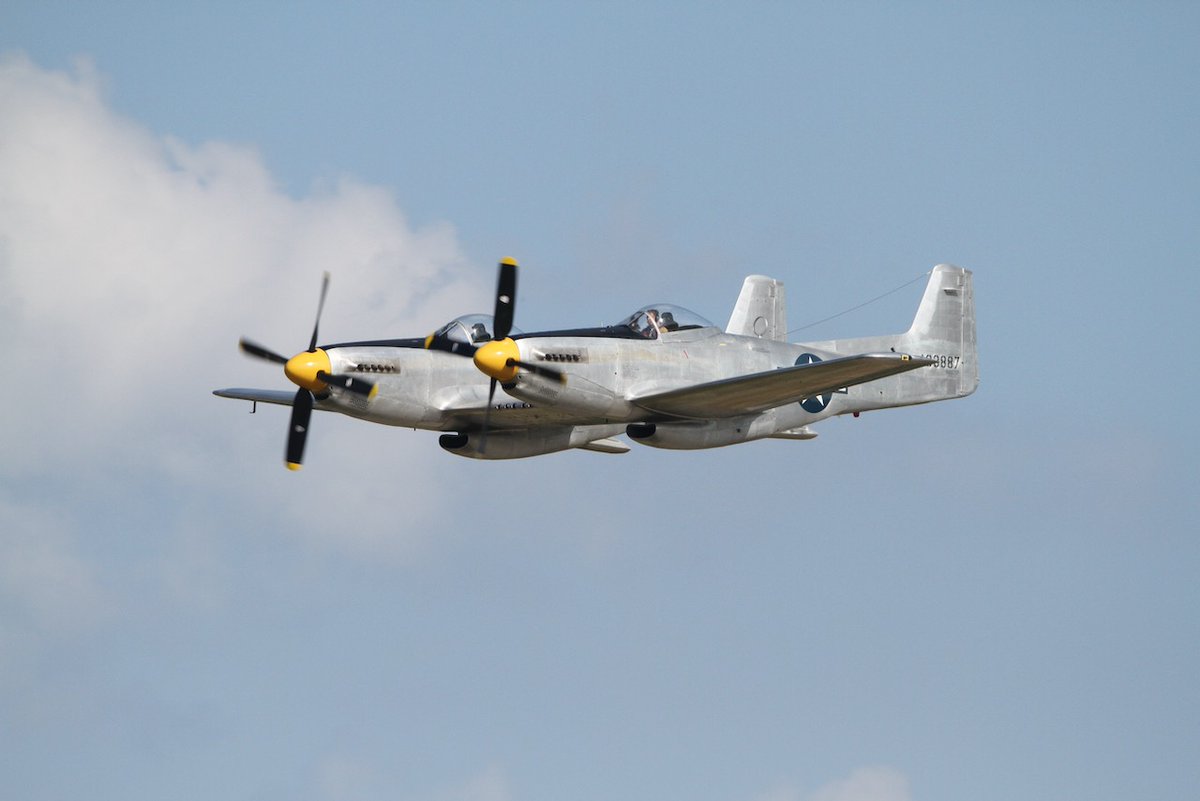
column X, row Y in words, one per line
column 993, row 598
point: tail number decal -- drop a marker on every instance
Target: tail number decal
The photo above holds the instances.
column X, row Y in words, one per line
column 941, row 361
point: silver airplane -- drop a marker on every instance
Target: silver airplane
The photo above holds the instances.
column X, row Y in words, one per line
column 663, row 376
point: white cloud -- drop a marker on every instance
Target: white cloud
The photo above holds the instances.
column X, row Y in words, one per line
column 874, row 783
column 491, row 785
column 130, row 263
column 866, row 784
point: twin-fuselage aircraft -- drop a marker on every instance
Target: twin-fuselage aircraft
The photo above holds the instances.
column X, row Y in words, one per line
column 663, row 376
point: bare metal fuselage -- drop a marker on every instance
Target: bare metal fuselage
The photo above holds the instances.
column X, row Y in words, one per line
column 697, row 387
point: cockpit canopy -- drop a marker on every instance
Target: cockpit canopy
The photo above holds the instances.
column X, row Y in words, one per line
column 663, row 318
column 657, row 319
column 471, row 329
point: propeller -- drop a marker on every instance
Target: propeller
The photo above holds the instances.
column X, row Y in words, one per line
column 499, row 359
column 312, row 373
column 259, row 352
column 302, row 406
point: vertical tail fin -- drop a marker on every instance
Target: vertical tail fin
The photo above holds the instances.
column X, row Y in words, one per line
column 943, row 330
column 944, row 327
column 761, row 310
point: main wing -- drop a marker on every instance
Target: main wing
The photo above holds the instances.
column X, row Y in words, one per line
column 757, row 392
column 276, row 396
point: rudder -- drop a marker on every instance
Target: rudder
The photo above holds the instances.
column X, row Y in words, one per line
column 761, row 310
column 944, row 327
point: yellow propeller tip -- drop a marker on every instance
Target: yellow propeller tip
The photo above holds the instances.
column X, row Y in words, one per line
column 374, row 391
column 509, row 260
column 428, row 341
column 293, row 466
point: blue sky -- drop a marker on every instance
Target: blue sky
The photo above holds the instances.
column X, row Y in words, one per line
column 991, row 599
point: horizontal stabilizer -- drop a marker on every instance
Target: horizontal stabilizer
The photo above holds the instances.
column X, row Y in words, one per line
column 750, row 394
column 606, row 445
column 801, row 433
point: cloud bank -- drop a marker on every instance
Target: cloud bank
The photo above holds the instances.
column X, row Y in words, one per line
column 866, row 784
column 130, row 263
column 872, row 783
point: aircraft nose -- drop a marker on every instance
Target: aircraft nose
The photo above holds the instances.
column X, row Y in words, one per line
column 498, row 359
column 302, row 369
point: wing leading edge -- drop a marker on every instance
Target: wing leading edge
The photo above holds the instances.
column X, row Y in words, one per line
column 757, row 392
column 260, row 395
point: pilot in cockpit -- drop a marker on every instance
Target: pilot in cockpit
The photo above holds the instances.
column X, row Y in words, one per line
column 651, row 329
column 667, row 322
column 479, row 333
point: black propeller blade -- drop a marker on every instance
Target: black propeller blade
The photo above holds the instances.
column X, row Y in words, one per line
column 312, row 343
column 506, row 298
column 299, row 369
column 259, row 352
column 359, row 386
column 502, row 323
column 302, row 406
column 505, row 310
column 537, row 369
column 445, row 343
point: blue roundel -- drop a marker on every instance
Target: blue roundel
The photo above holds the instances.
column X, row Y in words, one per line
column 818, row 403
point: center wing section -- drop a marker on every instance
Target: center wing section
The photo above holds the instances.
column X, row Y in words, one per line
column 464, row 408
column 757, row 392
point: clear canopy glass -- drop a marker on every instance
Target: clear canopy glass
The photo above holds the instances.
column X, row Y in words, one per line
column 663, row 319
column 471, row 329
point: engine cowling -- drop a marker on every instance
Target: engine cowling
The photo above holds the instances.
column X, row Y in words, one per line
column 577, row 395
